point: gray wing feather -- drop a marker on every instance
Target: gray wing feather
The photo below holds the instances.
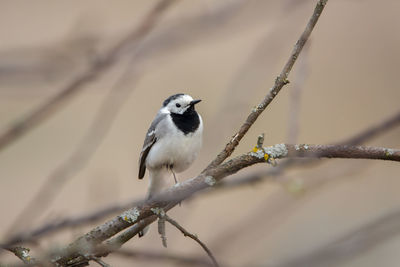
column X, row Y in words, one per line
column 149, row 141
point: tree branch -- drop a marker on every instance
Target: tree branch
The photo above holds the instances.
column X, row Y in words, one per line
column 364, row 136
column 357, row 139
column 280, row 81
column 329, row 151
column 172, row 196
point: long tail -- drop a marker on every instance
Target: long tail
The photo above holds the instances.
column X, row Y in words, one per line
column 156, row 182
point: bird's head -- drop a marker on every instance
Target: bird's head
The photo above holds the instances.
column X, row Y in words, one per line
column 179, row 104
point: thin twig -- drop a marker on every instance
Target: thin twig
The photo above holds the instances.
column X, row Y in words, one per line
column 161, row 230
column 192, row 236
column 260, row 141
column 280, row 81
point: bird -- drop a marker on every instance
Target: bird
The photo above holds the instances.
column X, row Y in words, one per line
column 172, row 141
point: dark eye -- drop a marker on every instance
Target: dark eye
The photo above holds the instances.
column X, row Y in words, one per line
column 178, row 105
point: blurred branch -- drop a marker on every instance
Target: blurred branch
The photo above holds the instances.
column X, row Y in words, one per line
column 295, row 96
column 162, row 257
column 280, row 81
column 351, row 244
column 33, row 235
column 175, row 36
column 102, row 64
column 46, row 63
column 257, row 68
column 373, row 131
column 295, row 190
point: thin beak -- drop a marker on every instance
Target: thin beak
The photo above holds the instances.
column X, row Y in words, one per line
column 194, row 102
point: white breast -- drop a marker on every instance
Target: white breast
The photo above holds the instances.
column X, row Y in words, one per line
column 173, row 147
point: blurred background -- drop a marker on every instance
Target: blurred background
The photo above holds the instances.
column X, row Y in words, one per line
column 83, row 156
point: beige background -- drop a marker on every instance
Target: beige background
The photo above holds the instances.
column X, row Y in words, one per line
column 228, row 60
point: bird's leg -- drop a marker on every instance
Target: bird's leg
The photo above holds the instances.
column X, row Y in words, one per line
column 176, row 180
column 171, row 168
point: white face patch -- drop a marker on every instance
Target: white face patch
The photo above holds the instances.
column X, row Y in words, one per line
column 179, row 105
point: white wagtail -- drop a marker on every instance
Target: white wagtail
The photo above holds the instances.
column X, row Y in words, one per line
column 172, row 141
